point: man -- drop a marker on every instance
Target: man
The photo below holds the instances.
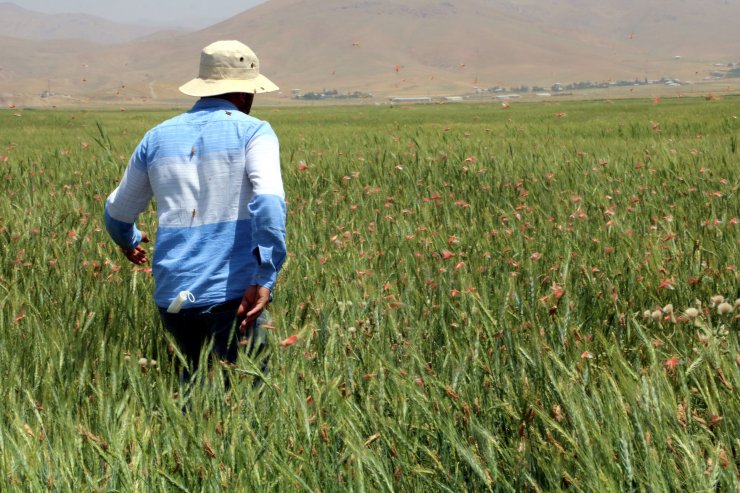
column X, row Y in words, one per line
column 215, row 174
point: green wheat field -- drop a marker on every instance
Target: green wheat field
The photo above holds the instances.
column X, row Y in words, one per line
column 539, row 298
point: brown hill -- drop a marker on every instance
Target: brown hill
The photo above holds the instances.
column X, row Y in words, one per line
column 26, row 24
column 383, row 45
column 699, row 29
column 420, row 47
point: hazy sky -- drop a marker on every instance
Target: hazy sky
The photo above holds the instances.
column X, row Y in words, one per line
column 166, row 13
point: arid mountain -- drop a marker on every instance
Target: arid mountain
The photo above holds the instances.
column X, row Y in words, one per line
column 419, row 47
column 698, row 29
column 21, row 23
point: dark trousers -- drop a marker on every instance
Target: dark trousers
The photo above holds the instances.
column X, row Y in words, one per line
column 217, row 327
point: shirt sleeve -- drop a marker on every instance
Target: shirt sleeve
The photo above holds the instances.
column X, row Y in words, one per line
column 267, row 207
column 129, row 200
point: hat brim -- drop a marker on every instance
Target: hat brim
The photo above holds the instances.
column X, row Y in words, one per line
column 210, row 87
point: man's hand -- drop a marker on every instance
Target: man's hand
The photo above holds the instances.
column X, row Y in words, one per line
column 137, row 255
column 254, row 301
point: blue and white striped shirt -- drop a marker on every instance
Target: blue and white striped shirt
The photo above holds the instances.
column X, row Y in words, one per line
column 215, row 174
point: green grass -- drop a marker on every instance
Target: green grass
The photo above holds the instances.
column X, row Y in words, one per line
column 467, row 283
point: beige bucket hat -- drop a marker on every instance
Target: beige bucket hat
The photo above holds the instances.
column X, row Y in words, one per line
column 225, row 67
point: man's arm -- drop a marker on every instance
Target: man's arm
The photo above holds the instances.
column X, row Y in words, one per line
column 267, row 212
column 125, row 204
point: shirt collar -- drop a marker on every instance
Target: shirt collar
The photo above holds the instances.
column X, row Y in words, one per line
column 214, row 104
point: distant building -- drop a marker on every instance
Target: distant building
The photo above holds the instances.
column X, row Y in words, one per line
column 412, row 100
